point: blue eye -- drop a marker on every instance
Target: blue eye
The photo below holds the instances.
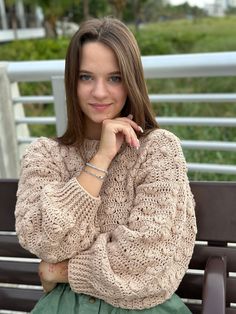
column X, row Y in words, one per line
column 85, row 77
column 115, row 79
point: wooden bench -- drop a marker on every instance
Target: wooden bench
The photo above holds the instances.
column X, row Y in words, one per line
column 216, row 219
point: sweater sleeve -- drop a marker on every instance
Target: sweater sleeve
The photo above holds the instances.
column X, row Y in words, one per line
column 54, row 214
column 141, row 264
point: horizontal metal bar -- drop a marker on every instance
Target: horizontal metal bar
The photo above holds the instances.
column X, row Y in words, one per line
column 209, row 145
column 33, row 99
column 190, row 65
column 25, row 140
column 7, row 35
column 166, row 66
column 211, row 168
column 36, row 120
column 212, row 98
column 188, row 144
column 153, row 98
column 34, row 71
column 201, row 121
column 161, row 120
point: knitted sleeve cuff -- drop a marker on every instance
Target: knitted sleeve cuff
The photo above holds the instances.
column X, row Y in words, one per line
column 66, row 205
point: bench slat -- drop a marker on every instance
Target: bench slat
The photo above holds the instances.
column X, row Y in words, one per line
column 191, row 287
column 201, row 254
column 9, row 246
column 19, row 272
column 18, row 299
column 231, row 290
column 215, row 207
column 195, row 308
column 8, row 188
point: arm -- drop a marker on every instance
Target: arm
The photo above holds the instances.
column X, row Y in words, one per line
column 145, row 260
column 55, row 215
column 51, row 274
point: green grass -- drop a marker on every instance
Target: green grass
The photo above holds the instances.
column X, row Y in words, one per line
column 175, row 37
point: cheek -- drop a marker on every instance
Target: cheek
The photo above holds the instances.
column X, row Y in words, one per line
column 121, row 95
column 82, row 92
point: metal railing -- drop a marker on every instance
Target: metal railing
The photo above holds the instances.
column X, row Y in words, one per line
column 171, row 66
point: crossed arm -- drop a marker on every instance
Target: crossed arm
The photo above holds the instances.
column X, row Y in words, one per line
column 50, row 274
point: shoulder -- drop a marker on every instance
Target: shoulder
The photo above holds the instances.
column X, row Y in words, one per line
column 44, row 148
column 41, row 145
column 161, row 139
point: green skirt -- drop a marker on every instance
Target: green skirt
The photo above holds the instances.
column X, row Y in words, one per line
column 62, row 300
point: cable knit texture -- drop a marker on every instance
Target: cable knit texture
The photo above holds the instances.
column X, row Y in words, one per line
column 131, row 246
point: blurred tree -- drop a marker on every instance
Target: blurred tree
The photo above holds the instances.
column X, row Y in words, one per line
column 231, row 10
column 53, row 11
column 11, row 8
column 158, row 10
column 133, row 11
column 96, row 9
column 153, row 10
column 118, row 7
column 86, row 9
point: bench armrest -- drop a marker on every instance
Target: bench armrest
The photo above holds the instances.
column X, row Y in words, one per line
column 214, row 287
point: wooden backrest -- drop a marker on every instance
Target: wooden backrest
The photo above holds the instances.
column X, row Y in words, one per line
column 216, row 220
column 22, row 270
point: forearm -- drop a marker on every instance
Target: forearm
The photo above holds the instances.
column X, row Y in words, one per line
column 61, row 212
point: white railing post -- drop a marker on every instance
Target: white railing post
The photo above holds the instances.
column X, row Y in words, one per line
column 8, row 140
column 59, row 104
column 22, row 130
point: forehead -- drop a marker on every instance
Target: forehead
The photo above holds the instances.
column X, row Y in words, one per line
column 98, row 56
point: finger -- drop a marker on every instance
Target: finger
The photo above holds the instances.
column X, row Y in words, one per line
column 126, row 130
column 134, row 125
column 130, row 116
column 131, row 137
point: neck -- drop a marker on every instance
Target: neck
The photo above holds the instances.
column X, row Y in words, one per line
column 93, row 132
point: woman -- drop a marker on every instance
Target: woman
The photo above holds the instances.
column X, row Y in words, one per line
column 107, row 206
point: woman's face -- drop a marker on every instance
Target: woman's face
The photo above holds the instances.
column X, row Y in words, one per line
column 101, row 91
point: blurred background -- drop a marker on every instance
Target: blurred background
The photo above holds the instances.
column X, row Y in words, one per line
column 41, row 30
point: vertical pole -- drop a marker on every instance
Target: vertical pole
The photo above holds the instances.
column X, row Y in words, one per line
column 20, row 12
column 3, row 15
column 9, row 161
column 59, row 104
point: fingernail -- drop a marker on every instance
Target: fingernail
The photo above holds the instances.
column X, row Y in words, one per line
column 141, row 129
column 130, row 116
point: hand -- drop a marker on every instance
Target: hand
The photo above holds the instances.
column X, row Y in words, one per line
column 114, row 133
column 51, row 274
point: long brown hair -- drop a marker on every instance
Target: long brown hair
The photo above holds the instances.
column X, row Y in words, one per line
column 120, row 39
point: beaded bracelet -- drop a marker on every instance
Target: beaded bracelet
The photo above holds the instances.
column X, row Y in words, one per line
column 95, row 167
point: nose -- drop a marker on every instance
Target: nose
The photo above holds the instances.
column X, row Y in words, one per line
column 99, row 90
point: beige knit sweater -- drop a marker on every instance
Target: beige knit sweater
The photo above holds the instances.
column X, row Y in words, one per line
column 132, row 245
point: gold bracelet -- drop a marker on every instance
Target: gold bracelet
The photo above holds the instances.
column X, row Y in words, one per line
column 94, row 175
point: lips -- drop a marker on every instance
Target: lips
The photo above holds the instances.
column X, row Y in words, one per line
column 100, row 106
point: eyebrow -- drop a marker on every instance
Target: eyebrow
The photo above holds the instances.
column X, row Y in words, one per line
column 88, row 72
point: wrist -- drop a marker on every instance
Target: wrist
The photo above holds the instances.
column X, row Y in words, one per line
column 101, row 161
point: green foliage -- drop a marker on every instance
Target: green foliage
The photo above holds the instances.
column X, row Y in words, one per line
column 41, row 49
column 174, row 37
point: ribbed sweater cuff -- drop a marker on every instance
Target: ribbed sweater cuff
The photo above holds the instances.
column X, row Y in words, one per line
column 64, row 204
